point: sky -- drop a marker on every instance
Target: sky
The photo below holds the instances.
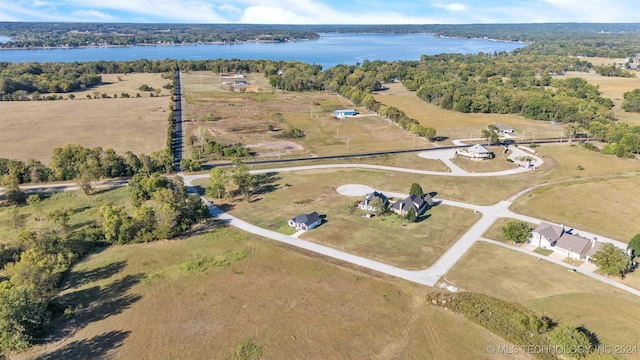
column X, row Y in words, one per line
column 322, row 11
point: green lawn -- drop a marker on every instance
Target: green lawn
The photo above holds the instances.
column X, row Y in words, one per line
column 541, row 251
column 84, row 209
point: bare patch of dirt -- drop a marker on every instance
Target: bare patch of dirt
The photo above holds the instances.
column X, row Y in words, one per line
column 277, row 145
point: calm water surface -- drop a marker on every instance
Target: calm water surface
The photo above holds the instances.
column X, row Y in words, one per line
column 328, row 51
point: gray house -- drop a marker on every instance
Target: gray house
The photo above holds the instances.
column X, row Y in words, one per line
column 417, row 203
column 305, row 221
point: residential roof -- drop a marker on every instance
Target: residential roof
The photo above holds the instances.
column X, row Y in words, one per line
column 415, row 202
column 307, row 219
column 477, row 148
column 344, row 110
column 370, row 197
column 592, row 249
column 502, row 127
column 573, row 243
column 549, row 231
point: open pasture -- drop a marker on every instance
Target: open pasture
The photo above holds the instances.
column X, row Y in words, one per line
column 246, row 117
column 143, row 301
column 568, row 298
column 32, row 129
column 456, row 125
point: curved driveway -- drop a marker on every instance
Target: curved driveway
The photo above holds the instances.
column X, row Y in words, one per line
column 431, row 275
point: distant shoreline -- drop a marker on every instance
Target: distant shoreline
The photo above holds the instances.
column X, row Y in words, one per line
column 241, row 42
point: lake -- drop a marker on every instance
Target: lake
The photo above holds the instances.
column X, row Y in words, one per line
column 328, row 51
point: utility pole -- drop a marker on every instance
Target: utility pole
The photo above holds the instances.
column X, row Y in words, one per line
column 522, row 135
column 348, row 140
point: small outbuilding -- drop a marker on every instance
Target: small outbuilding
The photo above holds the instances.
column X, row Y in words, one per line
column 343, row 113
column 305, row 221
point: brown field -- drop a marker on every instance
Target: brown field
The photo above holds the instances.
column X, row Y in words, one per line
column 116, row 84
column 139, row 301
column 568, row 298
column 31, row 130
column 614, row 89
column 600, row 206
column 245, row 118
column 414, row 246
column 456, row 125
column 595, row 199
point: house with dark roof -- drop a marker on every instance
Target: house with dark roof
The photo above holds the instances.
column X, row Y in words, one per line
column 366, row 203
column 417, row 203
column 305, row 221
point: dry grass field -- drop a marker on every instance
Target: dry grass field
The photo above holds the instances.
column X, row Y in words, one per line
column 474, row 190
column 614, row 89
column 142, row 302
column 245, row 118
column 568, row 298
column 456, row 125
column 597, row 199
column 33, row 129
column 413, row 246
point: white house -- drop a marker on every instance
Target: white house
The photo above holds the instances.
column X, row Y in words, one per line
column 343, row 113
column 475, row 152
column 366, row 203
column 503, row 129
column 556, row 238
column 305, row 221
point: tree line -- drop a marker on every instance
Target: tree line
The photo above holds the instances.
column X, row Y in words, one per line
column 26, row 35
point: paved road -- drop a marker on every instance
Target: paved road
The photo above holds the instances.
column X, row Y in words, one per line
column 176, row 136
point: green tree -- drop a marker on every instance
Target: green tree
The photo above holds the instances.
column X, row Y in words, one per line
column 16, row 220
column 516, row 231
column 416, row 190
column 611, row 260
column 490, row 133
column 242, row 178
column 576, row 343
column 12, row 192
column 61, row 217
column 21, row 315
column 34, row 201
column 634, row 244
column 378, row 206
column 218, row 181
column 411, row 215
column 114, row 220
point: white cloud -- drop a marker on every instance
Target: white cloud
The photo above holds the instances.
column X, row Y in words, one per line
column 270, row 15
column 159, row 10
column 91, row 15
column 451, row 7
